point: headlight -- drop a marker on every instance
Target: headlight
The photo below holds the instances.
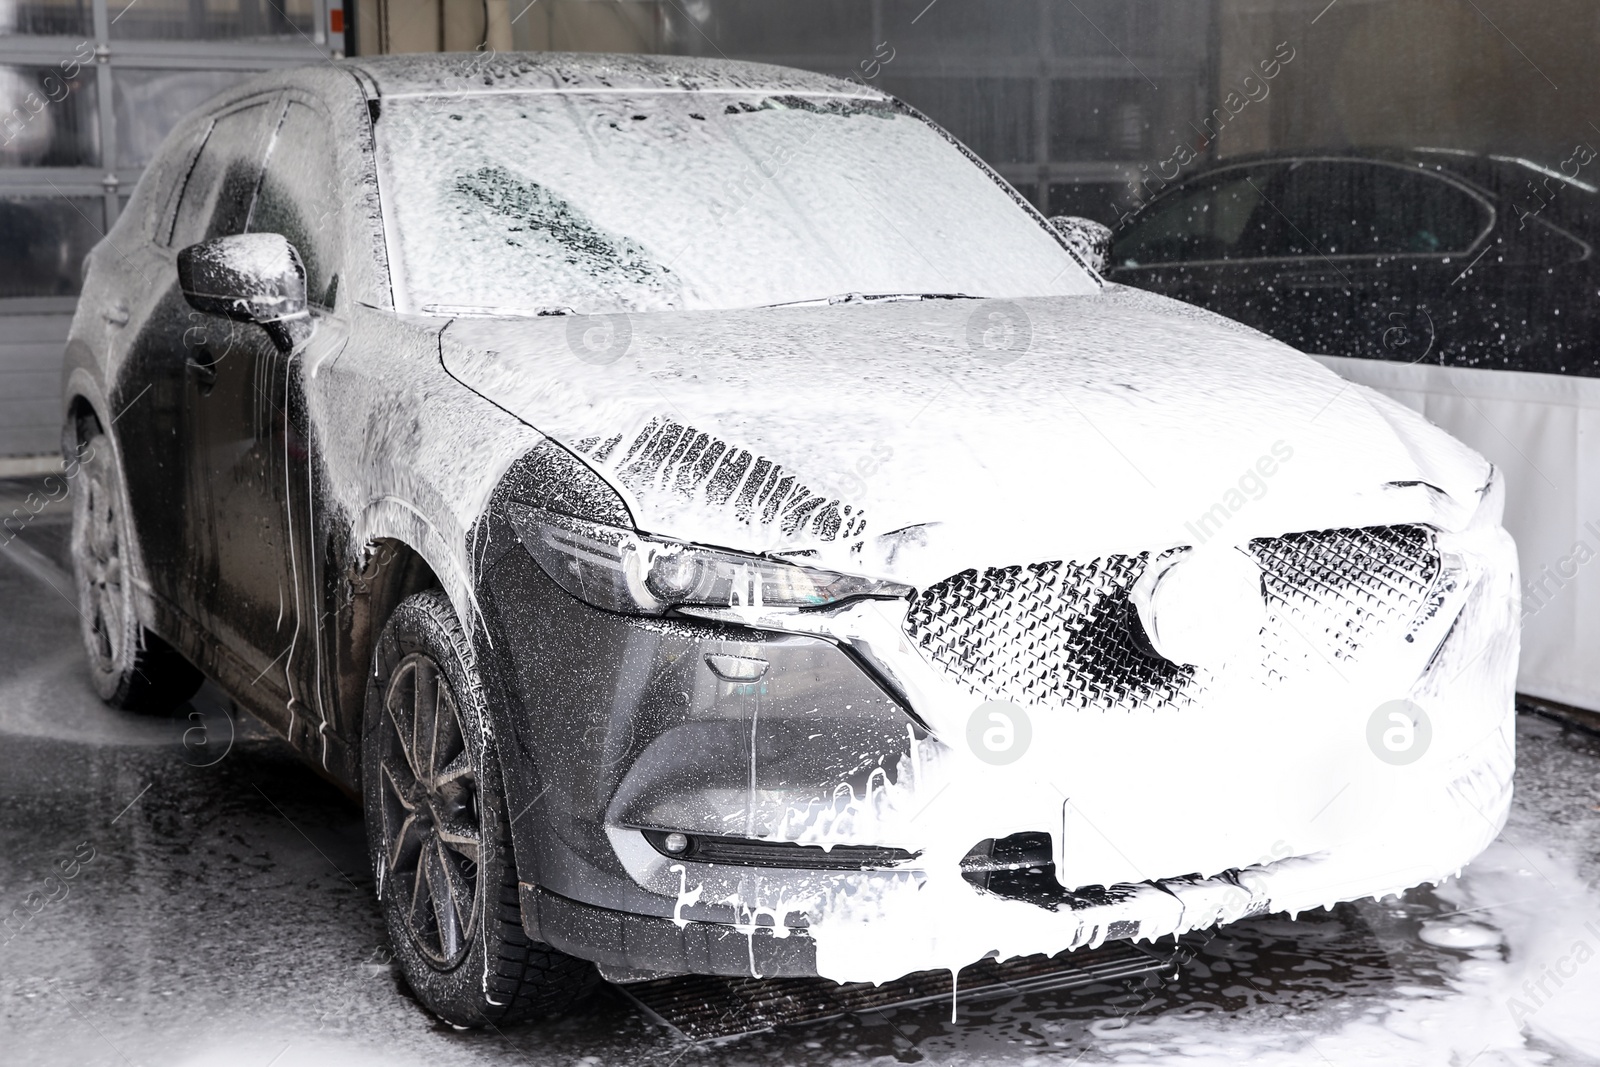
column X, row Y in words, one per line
column 620, row 570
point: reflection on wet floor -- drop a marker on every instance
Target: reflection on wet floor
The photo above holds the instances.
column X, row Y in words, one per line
column 190, row 892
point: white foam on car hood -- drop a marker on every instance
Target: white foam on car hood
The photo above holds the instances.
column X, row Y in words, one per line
column 997, row 432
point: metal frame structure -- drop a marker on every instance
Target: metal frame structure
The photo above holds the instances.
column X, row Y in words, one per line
column 31, row 326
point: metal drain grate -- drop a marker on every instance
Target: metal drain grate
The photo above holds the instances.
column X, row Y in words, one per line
column 704, row 1007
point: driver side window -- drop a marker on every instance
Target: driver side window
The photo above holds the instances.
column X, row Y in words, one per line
column 1217, row 217
column 1327, row 207
column 221, row 185
column 299, row 199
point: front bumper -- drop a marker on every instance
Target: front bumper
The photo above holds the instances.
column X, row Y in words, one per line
column 1263, row 799
column 893, row 927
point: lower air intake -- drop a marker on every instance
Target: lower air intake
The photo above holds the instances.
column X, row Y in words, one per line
column 1023, row 867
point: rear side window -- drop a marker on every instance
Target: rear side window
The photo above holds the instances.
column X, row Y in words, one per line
column 299, row 199
column 221, row 186
column 1304, row 210
column 1348, row 208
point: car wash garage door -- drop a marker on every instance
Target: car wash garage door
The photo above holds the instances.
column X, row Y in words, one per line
column 88, row 88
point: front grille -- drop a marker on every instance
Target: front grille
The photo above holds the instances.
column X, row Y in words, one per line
column 1065, row 633
column 1046, row 633
column 1336, row 592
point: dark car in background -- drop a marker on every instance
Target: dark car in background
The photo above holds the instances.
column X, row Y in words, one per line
column 1417, row 255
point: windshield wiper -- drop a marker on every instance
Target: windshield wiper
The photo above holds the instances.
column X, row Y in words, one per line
column 867, row 298
column 494, row 312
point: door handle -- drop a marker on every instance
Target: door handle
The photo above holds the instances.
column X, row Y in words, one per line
column 203, row 365
column 116, row 314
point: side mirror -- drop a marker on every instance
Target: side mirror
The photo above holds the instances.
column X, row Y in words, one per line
column 1088, row 238
column 252, row 277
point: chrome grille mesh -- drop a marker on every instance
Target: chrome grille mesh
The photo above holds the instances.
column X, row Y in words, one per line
column 1065, row 633
column 1332, row 593
column 1046, row 633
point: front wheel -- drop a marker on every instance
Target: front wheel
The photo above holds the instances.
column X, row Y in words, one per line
column 438, row 836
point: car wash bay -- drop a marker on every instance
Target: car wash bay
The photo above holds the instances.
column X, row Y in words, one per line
column 184, row 890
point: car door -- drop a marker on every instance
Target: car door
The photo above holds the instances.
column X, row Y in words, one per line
column 252, row 433
column 1364, row 258
column 164, row 374
column 1529, row 299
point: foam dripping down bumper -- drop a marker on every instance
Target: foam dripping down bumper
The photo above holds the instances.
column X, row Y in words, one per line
column 1279, row 801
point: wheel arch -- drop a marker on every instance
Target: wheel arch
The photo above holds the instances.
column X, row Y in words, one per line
column 386, row 572
column 81, row 391
column 380, row 575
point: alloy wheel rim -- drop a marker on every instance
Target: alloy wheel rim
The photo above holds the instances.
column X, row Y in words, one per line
column 430, row 803
column 100, row 559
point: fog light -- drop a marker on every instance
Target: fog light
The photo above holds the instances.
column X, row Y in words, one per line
column 676, row 843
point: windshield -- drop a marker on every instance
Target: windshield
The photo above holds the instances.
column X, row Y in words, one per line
column 599, row 202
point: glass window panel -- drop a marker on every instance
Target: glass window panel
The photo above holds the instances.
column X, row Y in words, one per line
column 47, row 115
column 150, row 102
column 1304, row 210
column 47, row 18
column 1335, row 208
column 299, row 199
column 45, row 239
column 211, row 20
column 643, row 201
column 1128, row 30
column 1100, row 118
column 221, row 186
column 1213, row 218
column 962, row 27
column 1408, row 211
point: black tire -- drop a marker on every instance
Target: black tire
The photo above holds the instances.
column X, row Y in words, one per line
column 130, row 667
column 437, row 818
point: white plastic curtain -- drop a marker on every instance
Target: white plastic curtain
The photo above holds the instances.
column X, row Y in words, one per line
column 1543, row 432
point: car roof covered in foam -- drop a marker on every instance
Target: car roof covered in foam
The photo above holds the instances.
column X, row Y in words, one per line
column 468, row 72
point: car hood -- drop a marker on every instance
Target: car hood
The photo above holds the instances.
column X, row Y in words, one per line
column 915, row 439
